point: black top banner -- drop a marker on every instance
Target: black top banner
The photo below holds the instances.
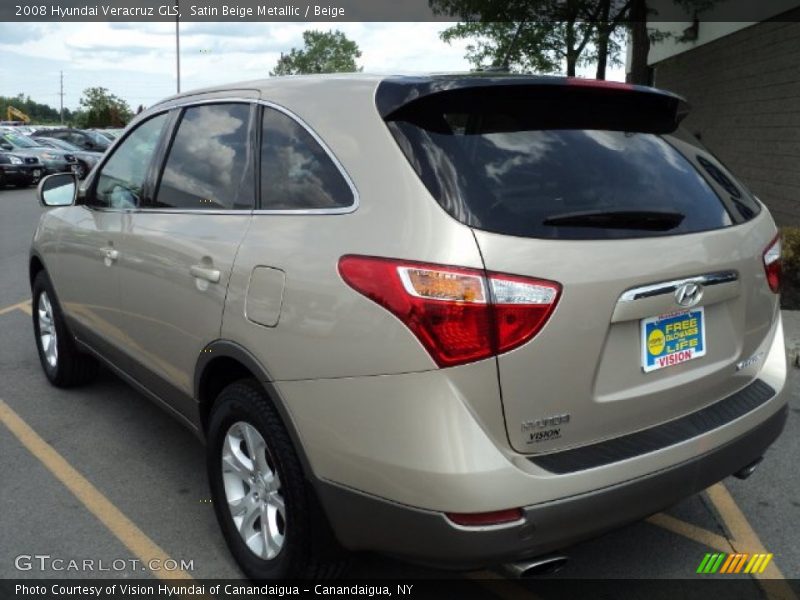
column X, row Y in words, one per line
column 377, row 10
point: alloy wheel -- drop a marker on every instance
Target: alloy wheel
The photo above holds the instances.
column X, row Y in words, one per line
column 253, row 490
column 47, row 330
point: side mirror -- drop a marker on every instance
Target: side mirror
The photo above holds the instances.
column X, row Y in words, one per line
column 6, row 146
column 59, row 189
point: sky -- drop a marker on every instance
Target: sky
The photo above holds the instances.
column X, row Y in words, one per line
column 136, row 61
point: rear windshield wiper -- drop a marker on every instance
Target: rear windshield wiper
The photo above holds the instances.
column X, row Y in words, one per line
column 621, row 219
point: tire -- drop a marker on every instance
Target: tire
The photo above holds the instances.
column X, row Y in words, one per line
column 297, row 541
column 63, row 364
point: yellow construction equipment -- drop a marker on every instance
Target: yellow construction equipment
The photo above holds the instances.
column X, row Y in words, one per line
column 15, row 114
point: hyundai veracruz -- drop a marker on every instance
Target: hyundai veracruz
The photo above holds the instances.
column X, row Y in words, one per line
column 464, row 320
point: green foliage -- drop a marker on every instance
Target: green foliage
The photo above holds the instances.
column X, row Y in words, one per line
column 100, row 108
column 323, row 52
column 536, row 35
column 40, row 114
column 790, row 282
column 556, row 32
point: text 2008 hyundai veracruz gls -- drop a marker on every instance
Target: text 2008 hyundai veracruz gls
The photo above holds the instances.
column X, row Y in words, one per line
column 463, row 320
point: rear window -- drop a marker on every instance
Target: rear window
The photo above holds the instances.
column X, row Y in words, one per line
column 504, row 168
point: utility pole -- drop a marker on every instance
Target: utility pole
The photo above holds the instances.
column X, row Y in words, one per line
column 178, row 44
column 61, row 93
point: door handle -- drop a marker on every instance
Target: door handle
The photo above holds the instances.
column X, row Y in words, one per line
column 110, row 255
column 207, row 273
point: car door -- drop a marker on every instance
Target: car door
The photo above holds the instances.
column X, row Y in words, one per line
column 88, row 274
column 178, row 249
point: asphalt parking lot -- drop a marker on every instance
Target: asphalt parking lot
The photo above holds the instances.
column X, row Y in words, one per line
column 101, row 473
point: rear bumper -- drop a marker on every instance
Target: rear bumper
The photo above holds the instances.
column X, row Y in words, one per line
column 364, row 522
column 20, row 173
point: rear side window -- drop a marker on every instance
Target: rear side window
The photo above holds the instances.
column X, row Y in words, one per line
column 296, row 171
column 501, row 169
column 209, row 165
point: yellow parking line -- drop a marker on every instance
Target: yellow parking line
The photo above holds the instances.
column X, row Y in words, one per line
column 693, row 532
column 745, row 539
column 101, row 507
column 24, row 306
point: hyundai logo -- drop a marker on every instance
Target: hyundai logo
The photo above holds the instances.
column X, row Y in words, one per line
column 689, row 294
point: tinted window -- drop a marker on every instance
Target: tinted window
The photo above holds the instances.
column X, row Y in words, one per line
column 76, row 138
column 19, row 141
column 120, row 181
column 739, row 196
column 501, row 171
column 209, row 165
column 296, row 172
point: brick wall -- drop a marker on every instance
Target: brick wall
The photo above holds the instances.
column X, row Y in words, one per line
column 745, row 95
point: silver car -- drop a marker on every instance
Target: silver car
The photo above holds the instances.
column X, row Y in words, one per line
column 464, row 320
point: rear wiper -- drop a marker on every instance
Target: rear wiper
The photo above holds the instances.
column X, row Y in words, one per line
column 622, row 219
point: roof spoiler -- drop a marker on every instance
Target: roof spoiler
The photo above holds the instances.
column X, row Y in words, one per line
column 551, row 102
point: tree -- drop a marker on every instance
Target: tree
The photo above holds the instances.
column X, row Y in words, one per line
column 100, row 108
column 536, row 35
column 544, row 35
column 323, row 52
column 641, row 37
column 39, row 113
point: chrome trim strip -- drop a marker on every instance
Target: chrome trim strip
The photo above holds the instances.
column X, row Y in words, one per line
column 223, row 100
column 669, row 287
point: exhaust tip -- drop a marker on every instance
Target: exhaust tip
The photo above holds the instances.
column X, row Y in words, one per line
column 745, row 472
column 535, row 567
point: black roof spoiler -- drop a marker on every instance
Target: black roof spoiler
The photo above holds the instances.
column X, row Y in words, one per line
column 643, row 107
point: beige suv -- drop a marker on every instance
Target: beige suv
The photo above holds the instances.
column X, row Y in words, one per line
column 465, row 320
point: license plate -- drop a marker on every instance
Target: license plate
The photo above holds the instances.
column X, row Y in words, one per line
column 672, row 339
column 37, row 172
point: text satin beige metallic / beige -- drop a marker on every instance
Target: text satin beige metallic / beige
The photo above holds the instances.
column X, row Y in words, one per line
column 466, row 320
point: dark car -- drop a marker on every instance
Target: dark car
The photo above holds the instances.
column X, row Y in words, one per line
column 82, row 138
column 86, row 159
column 53, row 161
column 21, row 171
column 112, row 133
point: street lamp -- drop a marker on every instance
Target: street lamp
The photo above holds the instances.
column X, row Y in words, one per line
column 178, row 44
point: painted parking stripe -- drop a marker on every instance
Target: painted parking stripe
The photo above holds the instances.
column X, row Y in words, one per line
column 692, row 532
column 24, row 306
column 125, row 530
column 745, row 538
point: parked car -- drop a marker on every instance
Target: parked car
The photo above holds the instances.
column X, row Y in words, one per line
column 85, row 139
column 111, row 133
column 465, row 320
column 86, row 160
column 53, row 161
column 20, row 171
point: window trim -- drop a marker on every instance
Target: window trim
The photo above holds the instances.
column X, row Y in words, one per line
column 169, row 132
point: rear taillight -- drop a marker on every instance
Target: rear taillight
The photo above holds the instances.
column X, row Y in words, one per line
column 460, row 315
column 772, row 264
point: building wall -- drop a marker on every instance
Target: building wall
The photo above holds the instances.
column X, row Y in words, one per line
column 745, row 95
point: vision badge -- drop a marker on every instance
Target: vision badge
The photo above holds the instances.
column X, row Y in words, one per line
column 544, row 430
